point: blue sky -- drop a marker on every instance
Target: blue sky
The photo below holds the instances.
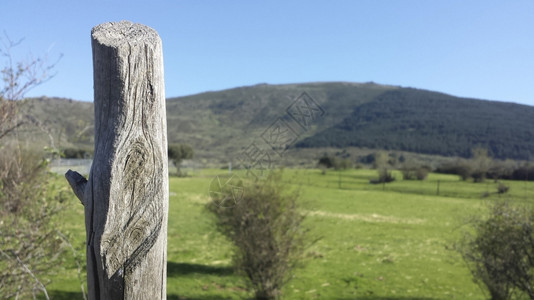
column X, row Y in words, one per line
column 478, row 49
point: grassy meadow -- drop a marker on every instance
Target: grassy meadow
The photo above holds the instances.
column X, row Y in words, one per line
column 390, row 241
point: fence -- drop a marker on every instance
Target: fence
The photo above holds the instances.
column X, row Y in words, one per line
column 62, row 165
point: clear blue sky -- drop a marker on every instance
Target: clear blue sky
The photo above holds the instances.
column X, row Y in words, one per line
column 479, row 49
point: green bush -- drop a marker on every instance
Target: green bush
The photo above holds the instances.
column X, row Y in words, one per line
column 327, row 162
column 502, row 188
column 384, row 176
column 265, row 227
column 29, row 244
column 412, row 172
column 499, row 251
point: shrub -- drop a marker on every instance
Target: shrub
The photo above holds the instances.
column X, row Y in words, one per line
column 29, row 244
column 460, row 167
column 384, row 176
column 501, row 188
column 500, row 251
column 265, row 229
column 77, row 153
column 415, row 172
column 327, row 162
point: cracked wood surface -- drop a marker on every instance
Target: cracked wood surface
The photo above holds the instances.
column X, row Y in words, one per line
column 126, row 195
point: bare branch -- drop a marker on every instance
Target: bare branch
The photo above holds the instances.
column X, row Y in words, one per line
column 77, row 182
column 27, row 270
column 21, row 77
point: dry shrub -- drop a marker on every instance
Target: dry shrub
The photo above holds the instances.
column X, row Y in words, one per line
column 266, row 230
column 500, row 251
column 29, row 245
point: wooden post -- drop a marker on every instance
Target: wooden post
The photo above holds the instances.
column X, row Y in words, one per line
column 126, row 197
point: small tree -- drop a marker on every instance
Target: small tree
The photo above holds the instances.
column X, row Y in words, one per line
column 266, row 230
column 177, row 153
column 381, row 160
column 326, row 162
column 481, row 164
column 382, row 164
column 500, row 251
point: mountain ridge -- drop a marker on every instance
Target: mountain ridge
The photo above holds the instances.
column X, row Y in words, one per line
column 220, row 124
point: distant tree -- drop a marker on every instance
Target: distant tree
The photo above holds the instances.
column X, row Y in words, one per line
column 76, row 153
column 381, row 160
column 178, row 152
column 481, row 164
column 525, row 172
column 501, row 169
column 502, row 188
column 382, row 164
column 367, row 159
column 384, row 176
column 343, row 164
column 460, row 167
column 412, row 171
column 326, row 161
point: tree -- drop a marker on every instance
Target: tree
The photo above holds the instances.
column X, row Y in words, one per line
column 481, row 164
column 29, row 244
column 178, row 152
column 382, row 163
column 499, row 251
column 327, row 162
column 411, row 170
column 266, row 230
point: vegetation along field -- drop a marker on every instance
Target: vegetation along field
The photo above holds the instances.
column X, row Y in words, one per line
column 392, row 241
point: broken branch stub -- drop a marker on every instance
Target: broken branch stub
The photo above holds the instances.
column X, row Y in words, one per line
column 126, row 195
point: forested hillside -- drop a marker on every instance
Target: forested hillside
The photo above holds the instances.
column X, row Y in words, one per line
column 433, row 123
column 220, row 124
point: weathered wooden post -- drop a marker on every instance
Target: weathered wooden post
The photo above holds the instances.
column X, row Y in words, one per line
column 126, row 196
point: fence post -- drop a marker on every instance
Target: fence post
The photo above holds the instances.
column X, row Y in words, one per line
column 126, row 196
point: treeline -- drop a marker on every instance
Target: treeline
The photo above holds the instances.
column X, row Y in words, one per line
column 479, row 167
column 432, row 123
column 507, row 170
column 77, row 153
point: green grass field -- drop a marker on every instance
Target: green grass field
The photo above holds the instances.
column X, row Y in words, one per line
column 388, row 241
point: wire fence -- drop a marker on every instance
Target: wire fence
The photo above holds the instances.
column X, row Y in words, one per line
column 62, row 165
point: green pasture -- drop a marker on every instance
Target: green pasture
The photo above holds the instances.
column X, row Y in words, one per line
column 391, row 241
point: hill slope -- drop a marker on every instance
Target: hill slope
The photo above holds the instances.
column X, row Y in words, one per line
column 219, row 125
column 433, row 123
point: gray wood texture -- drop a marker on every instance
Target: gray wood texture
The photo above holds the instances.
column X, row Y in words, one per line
column 126, row 196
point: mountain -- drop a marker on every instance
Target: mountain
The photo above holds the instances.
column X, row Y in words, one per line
column 433, row 123
column 221, row 125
